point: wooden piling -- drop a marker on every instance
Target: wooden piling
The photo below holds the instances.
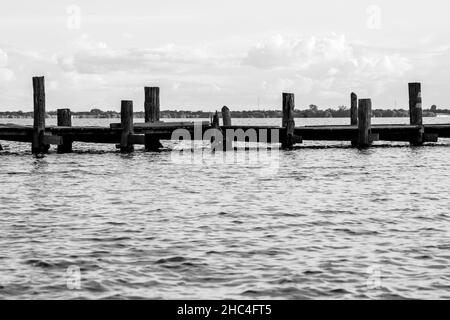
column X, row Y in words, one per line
column 364, row 123
column 353, row 109
column 126, row 117
column 415, row 111
column 226, row 116
column 65, row 120
column 226, row 119
column 38, row 145
column 354, row 113
column 152, row 114
column 215, row 121
column 151, row 104
column 288, row 122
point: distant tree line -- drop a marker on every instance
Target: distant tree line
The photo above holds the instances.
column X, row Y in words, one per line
column 312, row 112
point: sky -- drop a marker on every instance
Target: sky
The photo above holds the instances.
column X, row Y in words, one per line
column 204, row 54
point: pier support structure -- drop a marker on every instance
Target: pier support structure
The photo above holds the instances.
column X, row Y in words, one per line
column 354, row 113
column 364, row 123
column 152, row 114
column 38, row 145
column 226, row 119
column 64, row 120
column 288, row 123
column 126, row 118
column 226, row 116
column 415, row 112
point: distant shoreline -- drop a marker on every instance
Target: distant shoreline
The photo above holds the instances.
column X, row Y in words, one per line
column 312, row 112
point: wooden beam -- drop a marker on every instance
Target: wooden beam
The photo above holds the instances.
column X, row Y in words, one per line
column 126, row 117
column 64, row 120
column 38, row 145
column 364, row 123
column 415, row 111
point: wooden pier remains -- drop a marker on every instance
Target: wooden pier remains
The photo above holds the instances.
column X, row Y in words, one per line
column 126, row 134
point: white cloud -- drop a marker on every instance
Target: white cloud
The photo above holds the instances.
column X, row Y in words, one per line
column 3, row 59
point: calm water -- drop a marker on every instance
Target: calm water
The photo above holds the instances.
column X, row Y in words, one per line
column 323, row 221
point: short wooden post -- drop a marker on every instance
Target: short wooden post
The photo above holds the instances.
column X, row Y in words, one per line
column 364, row 123
column 151, row 104
column 64, row 120
column 38, row 145
column 126, row 117
column 288, row 122
column 415, row 111
column 354, row 113
column 226, row 116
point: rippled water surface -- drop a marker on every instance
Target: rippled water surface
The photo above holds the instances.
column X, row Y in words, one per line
column 322, row 221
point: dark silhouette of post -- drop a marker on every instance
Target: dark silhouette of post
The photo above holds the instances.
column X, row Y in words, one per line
column 353, row 109
column 38, row 145
column 151, row 104
column 415, row 111
column 354, row 113
column 226, row 116
column 64, row 120
column 288, row 122
column 215, row 121
column 126, row 118
column 152, row 114
column 364, row 123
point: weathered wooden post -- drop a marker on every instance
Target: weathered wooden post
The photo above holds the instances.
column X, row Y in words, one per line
column 126, row 118
column 364, row 123
column 152, row 114
column 353, row 109
column 215, row 121
column 226, row 119
column 38, row 145
column 151, row 104
column 64, row 120
column 415, row 111
column 288, row 122
column 354, row 113
column 226, row 116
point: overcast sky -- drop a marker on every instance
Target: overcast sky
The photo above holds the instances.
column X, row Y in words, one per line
column 205, row 53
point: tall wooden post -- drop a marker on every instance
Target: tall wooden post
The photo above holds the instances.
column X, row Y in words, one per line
column 354, row 113
column 226, row 119
column 415, row 111
column 126, row 118
column 353, row 109
column 364, row 123
column 288, row 122
column 151, row 104
column 226, row 116
column 65, row 120
column 37, row 145
column 215, row 122
column 152, row 114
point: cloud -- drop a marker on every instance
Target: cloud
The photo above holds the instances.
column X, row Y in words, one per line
column 93, row 57
column 3, row 59
column 322, row 70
